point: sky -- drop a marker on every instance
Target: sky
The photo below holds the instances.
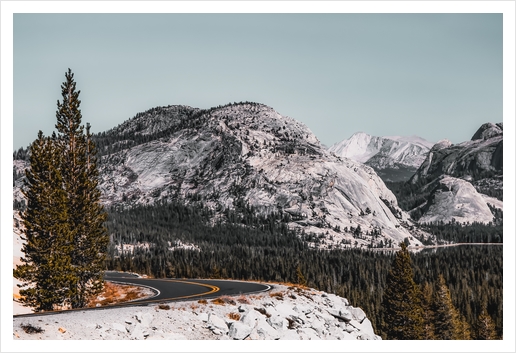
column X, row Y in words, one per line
column 431, row 75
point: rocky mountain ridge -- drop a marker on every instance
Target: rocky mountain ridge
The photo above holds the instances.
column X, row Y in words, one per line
column 472, row 160
column 394, row 158
column 249, row 156
column 462, row 182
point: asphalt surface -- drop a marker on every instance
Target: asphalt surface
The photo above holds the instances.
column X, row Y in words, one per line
column 168, row 289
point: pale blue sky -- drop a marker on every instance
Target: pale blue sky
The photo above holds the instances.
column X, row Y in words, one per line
column 432, row 75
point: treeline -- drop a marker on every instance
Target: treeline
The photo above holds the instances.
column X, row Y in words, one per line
column 466, row 233
column 249, row 247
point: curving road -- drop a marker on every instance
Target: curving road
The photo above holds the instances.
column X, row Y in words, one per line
column 168, row 289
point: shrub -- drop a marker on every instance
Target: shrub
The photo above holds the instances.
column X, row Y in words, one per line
column 234, row 316
column 28, row 328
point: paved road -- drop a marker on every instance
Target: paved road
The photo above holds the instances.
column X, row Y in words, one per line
column 186, row 289
column 167, row 290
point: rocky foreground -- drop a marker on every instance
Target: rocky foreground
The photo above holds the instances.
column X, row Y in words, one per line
column 284, row 313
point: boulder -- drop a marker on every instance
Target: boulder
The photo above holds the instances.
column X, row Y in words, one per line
column 341, row 314
column 277, row 322
column 215, row 323
column 266, row 332
column 357, row 313
column 239, row 330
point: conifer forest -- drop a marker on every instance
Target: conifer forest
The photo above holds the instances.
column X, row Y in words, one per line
column 263, row 249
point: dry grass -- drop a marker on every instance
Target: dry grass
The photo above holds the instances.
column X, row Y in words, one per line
column 218, row 301
column 277, row 295
column 116, row 293
column 223, row 300
column 234, row 316
column 28, row 328
column 202, row 301
column 243, row 300
column 164, row 307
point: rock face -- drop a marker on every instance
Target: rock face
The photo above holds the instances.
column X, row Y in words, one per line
column 394, row 158
column 246, row 155
column 286, row 313
column 461, row 180
column 471, row 160
column 456, row 200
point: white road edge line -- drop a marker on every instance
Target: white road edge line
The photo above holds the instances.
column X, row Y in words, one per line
column 155, row 290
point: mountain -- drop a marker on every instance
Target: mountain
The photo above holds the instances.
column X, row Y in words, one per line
column 462, row 182
column 246, row 156
column 394, row 158
column 481, row 156
column 479, row 161
column 456, row 200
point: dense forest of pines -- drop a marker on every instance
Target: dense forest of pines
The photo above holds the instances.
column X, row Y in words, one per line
column 257, row 248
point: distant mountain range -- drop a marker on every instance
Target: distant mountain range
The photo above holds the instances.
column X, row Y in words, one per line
column 394, row 158
column 246, row 157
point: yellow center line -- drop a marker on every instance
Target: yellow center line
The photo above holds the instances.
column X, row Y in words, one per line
column 214, row 289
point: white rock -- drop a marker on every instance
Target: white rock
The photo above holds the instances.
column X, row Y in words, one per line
column 277, row 322
column 266, row 332
column 144, row 318
column 216, row 323
column 239, row 331
column 342, row 314
column 250, row 318
column 308, row 334
column 365, row 328
column 119, row 327
column 318, row 326
column 357, row 313
column 289, row 335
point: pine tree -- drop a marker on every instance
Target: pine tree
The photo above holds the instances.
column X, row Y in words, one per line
column 428, row 317
column 401, row 305
column 484, row 327
column 65, row 238
column 448, row 323
column 86, row 215
column 464, row 329
column 46, row 265
column 301, row 280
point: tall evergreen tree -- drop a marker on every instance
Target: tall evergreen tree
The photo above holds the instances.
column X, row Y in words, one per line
column 401, row 304
column 46, row 265
column 66, row 240
column 428, row 314
column 86, row 215
column 484, row 327
column 448, row 323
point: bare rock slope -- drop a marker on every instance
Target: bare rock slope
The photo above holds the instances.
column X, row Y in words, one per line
column 247, row 155
column 462, row 182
